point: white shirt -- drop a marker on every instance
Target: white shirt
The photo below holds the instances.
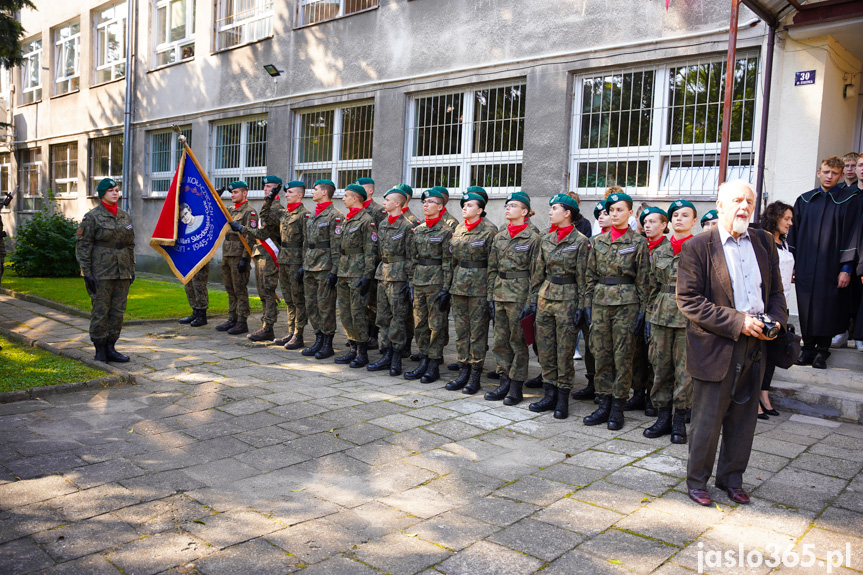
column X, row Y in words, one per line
column 744, row 271
column 786, row 267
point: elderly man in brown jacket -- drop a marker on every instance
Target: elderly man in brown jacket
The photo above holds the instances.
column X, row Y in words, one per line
column 727, row 277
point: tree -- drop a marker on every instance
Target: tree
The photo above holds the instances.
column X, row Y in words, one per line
column 11, row 31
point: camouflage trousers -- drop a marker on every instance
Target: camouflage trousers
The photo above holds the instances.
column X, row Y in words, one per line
column 510, row 350
column 642, row 371
column 613, row 344
column 196, row 289
column 430, row 323
column 320, row 302
column 373, row 299
column 353, row 310
column 266, row 282
column 668, row 356
column 393, row 312
column 109, row 305
column 471, row 318
column 237, row 286
column 587, row 353
column 555, row 340
column 295, row 298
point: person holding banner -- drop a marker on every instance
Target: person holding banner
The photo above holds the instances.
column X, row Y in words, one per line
column 105, row 250
column 236, row 260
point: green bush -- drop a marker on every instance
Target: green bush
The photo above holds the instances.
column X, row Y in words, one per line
column 45, row 246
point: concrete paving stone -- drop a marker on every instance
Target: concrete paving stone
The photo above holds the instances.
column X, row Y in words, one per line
column 25, row 555
column 41, row 465
column 255, row 557
column 416, row 400
column 577, row 561
column 213, row 430
column 310, row 425
column 438, row 461
column 600, row 460
column 837, row 452
column 379, row 453
column 455, row 430
column 362, row 433
column 164, row 460
column 246, row 406
column 272, row 457
column 506, row 467
column 28, row 491
column 780, row 518
column 823, row 542
column 90, row 565
column 708, row 553
column 340, row 566
column 400, row 554
column 28, row 519
column 611, row 496
column 298, row 410
column 212, row 449
column 643, row 480
column 163, row 514
column 336, row 402
column 571, row 474
column 221, row 471
column 498, row 511
column 653, row 524
column 266, row 436
column 255, row 421
column 368, row 395
column 434, row 413
column 282, row 397
column 420, row 501
column 232, row 527
column 676, row 503
column 316, row 540
column 537, row 538
column 95, row 501
column 777, row 446
column 767, row 461
column 664, row 464
column 373, row 520
column 417, row 440
column 157, row 426
column 635, row 553
column 158, row 485
column 485, row 558
column 319, row 444
column 512, row 412
column 44, row 447
column 789, row 437
column 465, row 485
column 453, row 530
column 156, row 412
column 512, row 440
column 474, row 449
column 293, row 511
column 464, row 405
column 398, row 422
column 104, row 472
column 840, row 521
column 800, row 488
column 535, row 490
column 843, row 441
column 199, row 418
column 578, row 516
column 85, row 537
column 627, row 447
column 841, row 468
column 155, row 554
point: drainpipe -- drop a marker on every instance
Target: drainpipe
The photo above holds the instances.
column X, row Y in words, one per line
column 127, row 114
column 729, row 90
column 765, row 111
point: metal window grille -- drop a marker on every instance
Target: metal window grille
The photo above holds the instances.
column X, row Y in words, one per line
column 334, row 144
column 239, row 152
column 5, row 175
column 163, row 155
column 314, row 11
column 467, row 138
column 242, row 21
column 111, row 43
column 656, row 131
column 106, row 161
column 64, row 170
column 175, row 31
column 31, row 71
column 67, row 55
column 30, row 179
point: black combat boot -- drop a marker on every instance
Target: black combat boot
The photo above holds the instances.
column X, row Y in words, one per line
column 473, row 383
column 315, row 347
column 461, row 379
column 600, row 415
column 239, row 328
column 502, row 389
column 420, row 369
column 111, row 352
column 350, row 355
column 263, row 334
column 678, row 426
column 432, row 374
column 514, row 396
column 649, row 409
column 417, row 356
column 587, row 392
column 454, row 367
column 534, row 383
column 100, row 350
column 493, row 374
column 636, row 401
column 662, row 425
column 561, row 408
column 406, row 350
column 548, row 401
column 189, row 318
column 396, row 363
column 284, row 340
column 326, row 348
column 372, row 342
column 615, row 418
column 201, row 319
column 384, row 361
column 362, row 358
column 296, row 340
column 232, row 321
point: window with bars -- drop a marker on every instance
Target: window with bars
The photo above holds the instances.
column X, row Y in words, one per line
column 30, row 179
column 106, row 161
column 242, row 21
column 334, row 144
column 5, row 175
column 163, row 155
column 656, row 131
column 239, row 152
column 67, row 56
column 31, row 71
column 111, row 43
column 314, row 11
column 468, row 138
column 64, row 170
column 175, row 31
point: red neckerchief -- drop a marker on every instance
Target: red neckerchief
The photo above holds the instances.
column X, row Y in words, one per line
column 405, row 209
column 292, row 207
column 432, row 222
column 515, row 230
column 237, row 206
column 392, row 219
column 553, row 228
column 110, row 208
column 616, row 233
column 605, row 229
column 367, row 203
column 473, row 225
column 443, row 210
column 321, row 207
column 677, row 245
column 352, row 212
column 563, row 232
column 652, row 244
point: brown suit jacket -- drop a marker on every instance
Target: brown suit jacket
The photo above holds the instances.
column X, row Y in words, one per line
column 705, row 297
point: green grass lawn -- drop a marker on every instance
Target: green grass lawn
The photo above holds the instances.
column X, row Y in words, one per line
column 24, row 367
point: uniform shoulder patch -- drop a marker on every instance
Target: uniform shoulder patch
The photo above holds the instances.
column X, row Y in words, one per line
column 253, row 224
column 398, row 236
column 374, row 236
column 522, row 248
column 629, row 250
column 477, row 243
column 338, row 229
column 571, row 248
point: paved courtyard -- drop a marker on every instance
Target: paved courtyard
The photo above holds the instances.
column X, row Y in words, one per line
column 235, row 458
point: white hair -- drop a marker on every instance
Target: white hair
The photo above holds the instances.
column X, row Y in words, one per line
column 727, row 190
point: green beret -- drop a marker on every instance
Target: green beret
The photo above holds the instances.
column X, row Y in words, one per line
column 709, row 216
column 614, row 198
column 406, row 189
column 478, row 191
column 399, row 191
column 358, row 190
column 520, row 197
column 651, row 210
column 434, row 192
column 104, row 185
column 443, row 191
column 238, row 184
column 365, row 181
column 296, row 184
column 272, row 180
column 598, row 209
column 472, row 196
column 324, row 183
column 676, row 205
column 564, row 199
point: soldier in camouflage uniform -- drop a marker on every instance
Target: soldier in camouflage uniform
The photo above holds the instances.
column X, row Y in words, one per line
column 376, row 211
column 470, row 247
column 709, row 220
column 4, row 203
column 291, row 223
column 320, row 264
column 666, row 330
column 617, row 281
column 236, row 261
column 447, row 217
column 105, row 249
column 429, row 272
column 198, row 296
column 355, row 269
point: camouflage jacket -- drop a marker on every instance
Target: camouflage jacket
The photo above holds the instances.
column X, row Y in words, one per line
column 431, row 263
column 355, row 240
column 246, row 216
column 320, row 249
column 560, row 263
column 261, row 233
column 392, row 250
column 376, row 211
column 609, row 262
column 509, row 266
column 292, row 229
column 662, row 309
column 409, row 215
column 105, row 245
column 449, row 219
column 470, row 251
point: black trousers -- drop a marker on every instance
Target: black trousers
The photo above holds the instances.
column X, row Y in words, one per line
column 821, row 344
column 730, row 406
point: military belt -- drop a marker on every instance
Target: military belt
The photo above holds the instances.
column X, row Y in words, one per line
column 669, row 288
column 617, row 280
column 473, row 264
column 562, row 280
column 320, row 246
column 392, row 259
column 514, row 275
column 352, row 251
column 115, row 245
column 429, row 262
column 292, row 245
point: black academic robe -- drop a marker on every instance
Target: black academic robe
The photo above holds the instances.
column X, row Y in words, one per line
column 822, row 238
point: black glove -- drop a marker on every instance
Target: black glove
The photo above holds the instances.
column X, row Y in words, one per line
column 90, row 283
column 300, row 273
column 443, row 300
column 242, row 265
column 491, row 309
column 133, row 279
column 364, row 284
column 647, row 332
column 588, row 315
column 639, row 324
column 527, row 310
column 407, row 292
column 236, row 226
column 332, row 280
column 275, row 192
column 578, row 318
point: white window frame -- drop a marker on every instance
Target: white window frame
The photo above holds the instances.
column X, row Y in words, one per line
column 243, row 171
column 69, row 180
column 257, row 24
column 61, row 45
column 5, row 177
column 661, row 182
column 32, row 57
column 173, row 154
column 112, row 153
column 116, row 68
column 30, row 202
column 336, row 164
column 175, row 47
column 466, row 159
column 341, row 13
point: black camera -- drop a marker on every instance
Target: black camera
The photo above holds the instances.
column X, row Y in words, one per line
column 770, row 329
